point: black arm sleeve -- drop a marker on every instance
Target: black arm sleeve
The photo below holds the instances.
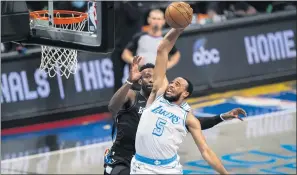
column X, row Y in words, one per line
column 209, row 122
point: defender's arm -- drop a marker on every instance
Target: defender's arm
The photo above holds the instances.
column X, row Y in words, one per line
column 124, row 94
column 120, row 98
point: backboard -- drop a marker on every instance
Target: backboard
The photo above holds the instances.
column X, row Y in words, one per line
column 97, row 35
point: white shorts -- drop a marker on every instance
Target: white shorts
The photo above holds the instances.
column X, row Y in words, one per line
column 138, row 167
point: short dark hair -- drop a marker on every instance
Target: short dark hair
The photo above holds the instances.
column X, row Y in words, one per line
column 189, row 88
column 146, row 66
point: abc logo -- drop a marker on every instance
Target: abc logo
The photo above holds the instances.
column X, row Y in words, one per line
column 205, row 57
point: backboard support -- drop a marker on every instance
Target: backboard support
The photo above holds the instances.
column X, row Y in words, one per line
column 99, row 38
column 13, row 15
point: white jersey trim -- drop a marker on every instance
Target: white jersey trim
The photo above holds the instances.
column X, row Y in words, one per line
column 185, row 123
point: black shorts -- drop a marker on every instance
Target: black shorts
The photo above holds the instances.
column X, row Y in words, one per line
column 115, row 165
column 118, row 169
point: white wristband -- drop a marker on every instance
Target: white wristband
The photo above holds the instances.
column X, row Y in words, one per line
column 128, row 82
column 222, row 117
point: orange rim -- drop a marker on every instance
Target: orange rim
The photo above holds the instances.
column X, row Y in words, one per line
column 78, row 16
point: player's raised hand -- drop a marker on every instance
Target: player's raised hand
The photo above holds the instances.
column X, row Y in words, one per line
column 234, row 113
column 134, row 74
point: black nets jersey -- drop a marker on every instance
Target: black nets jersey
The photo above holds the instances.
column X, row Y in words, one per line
column 127, row 121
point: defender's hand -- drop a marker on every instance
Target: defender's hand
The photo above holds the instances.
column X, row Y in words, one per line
column 134, row 74
column 234, row 113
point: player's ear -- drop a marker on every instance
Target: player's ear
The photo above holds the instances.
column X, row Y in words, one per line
column 185, row 94
column 140, row 81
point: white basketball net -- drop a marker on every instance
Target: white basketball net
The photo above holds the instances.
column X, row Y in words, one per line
column 59, row 61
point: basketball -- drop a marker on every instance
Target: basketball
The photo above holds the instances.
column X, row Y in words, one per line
column 179, row 15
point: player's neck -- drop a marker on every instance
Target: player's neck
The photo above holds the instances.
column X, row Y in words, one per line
column 144, row 94
column 179, row 102
column 155, row 33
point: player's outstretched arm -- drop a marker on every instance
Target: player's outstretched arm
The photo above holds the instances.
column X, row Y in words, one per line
column 163, row 50
column 207, row 154
column 209, row 122
column 125, row 94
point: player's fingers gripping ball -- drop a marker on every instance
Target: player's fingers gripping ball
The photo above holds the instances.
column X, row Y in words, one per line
column 179, row 15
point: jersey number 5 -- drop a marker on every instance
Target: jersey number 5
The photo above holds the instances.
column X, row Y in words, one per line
column 158, row 130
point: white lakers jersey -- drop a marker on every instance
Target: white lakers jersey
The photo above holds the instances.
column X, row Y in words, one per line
column 161, row 129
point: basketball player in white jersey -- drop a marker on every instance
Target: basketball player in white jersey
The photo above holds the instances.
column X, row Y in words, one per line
column 164, row 124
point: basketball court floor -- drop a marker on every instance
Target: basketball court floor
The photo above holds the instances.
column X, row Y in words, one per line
column 264, row 143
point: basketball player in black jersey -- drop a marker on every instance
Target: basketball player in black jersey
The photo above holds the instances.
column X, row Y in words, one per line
column 127, row 105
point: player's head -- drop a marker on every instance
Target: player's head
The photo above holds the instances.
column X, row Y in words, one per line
column 146, row 80
column 178, row 89
column 156, row 19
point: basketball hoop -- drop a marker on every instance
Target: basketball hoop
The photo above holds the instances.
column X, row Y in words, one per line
column 55, row 60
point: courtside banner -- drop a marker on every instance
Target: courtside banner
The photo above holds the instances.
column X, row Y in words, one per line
column 28, row 91
column 234, row 54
